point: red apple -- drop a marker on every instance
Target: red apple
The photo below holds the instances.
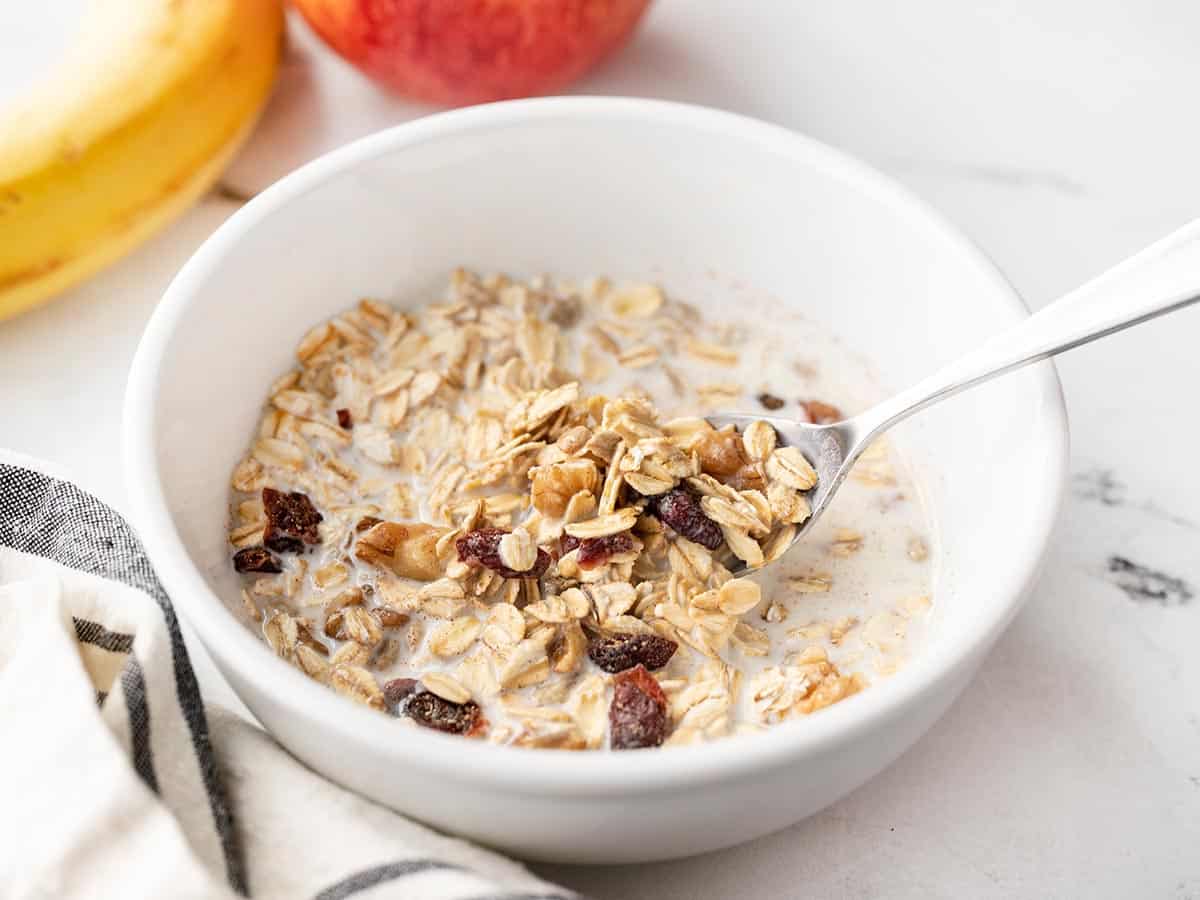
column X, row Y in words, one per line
column 470, row 51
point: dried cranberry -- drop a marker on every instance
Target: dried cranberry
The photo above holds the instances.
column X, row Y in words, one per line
column 770, row 401
column 821, row 413
column 345, row 419
column 638, row 714
column 682, row 512
column 618, row 652
column 482, row 547
column 291, row 521
column 596, row 551
column 405, row 698
column 256, row 559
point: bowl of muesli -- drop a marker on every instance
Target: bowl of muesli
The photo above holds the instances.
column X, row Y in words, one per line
column 417, row 443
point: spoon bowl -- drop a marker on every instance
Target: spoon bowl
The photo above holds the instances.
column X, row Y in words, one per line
column 831, row 449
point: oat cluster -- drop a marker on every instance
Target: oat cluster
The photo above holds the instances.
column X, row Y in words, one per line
column 450, row 495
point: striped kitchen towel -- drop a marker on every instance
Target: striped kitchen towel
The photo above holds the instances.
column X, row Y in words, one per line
column 117, row 781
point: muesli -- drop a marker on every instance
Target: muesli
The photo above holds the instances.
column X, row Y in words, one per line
column 503, row 516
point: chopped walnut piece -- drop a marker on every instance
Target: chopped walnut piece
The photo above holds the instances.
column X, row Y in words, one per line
column 552, row 487
column 408, row 550
column 722, row 453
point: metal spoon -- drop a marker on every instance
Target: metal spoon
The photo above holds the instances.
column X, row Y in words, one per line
column 1160, row 279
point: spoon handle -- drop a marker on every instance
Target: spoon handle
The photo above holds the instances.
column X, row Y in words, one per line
column 1160, row 279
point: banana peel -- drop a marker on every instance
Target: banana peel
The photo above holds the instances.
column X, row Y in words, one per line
column 136, row 123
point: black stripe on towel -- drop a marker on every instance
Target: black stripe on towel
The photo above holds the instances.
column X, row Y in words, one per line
column 368, row 878
column 133, row 686
column 61, row 522
column 376, row 875
column 88, row 632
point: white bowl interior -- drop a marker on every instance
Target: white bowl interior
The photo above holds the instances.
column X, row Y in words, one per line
column 633, row 191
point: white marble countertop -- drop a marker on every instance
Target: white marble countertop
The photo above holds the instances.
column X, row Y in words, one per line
column 1061, row 136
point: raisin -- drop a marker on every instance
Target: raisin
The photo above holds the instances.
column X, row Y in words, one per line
column 721, row 453
column 770, row 401
column 291, row 521
column 821, row 413
column 638, row 714
column 256, row 559
column 404, row 697
column 618, row 652
column 482, row 547
column 567, row 543
column 345, row 419
column 366, row 523
column 596, row 551
column 397, row 691
column 680, row 510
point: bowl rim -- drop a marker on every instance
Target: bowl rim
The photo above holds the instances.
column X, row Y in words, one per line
column 547, row 772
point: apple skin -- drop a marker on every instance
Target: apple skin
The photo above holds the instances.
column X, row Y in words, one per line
column 456, row 52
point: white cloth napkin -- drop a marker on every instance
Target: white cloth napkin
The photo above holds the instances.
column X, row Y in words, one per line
column 117, row 781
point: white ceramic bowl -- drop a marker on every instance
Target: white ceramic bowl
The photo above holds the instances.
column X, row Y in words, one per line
column 629, row 188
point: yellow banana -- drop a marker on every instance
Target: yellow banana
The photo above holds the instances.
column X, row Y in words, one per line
column 135, row 124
